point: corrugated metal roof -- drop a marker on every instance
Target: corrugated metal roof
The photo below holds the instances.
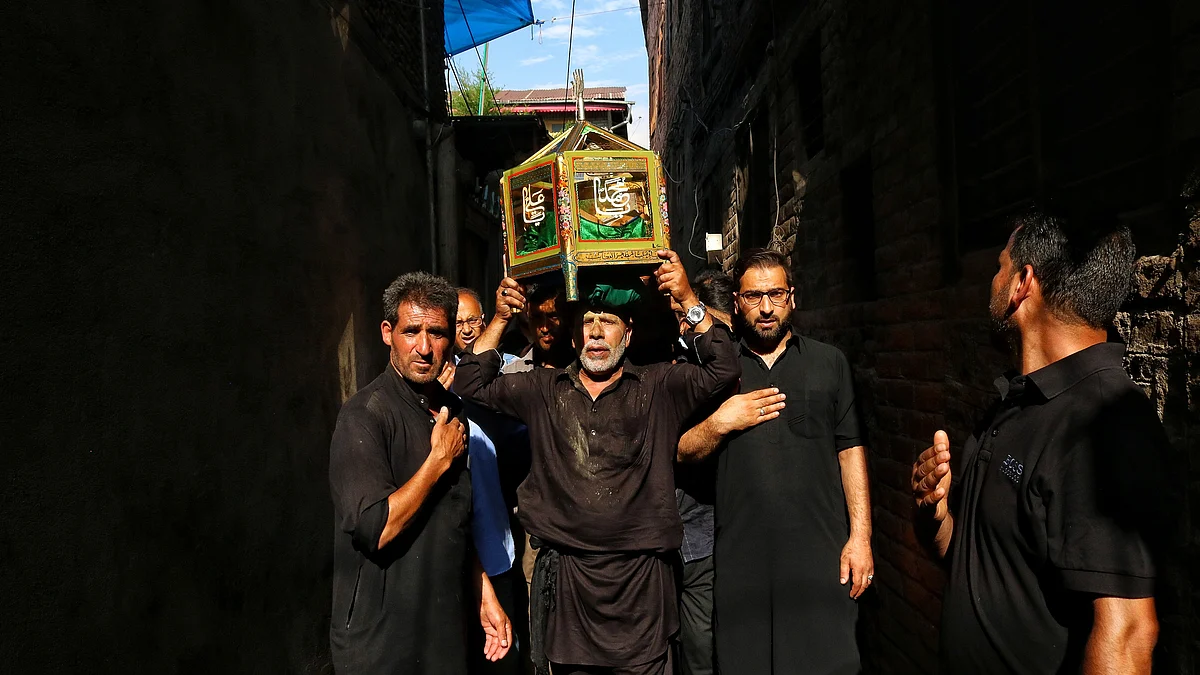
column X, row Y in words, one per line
column 556, row 95
column 560, row 107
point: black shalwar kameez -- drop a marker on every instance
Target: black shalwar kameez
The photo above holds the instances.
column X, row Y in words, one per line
column 781, row 522
column 601, row 493
column 399, row 609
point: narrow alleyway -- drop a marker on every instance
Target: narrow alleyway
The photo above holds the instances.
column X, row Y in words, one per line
column 204, row 201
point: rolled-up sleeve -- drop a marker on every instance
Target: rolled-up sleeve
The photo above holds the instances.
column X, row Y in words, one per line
column 360, row 479
column 718, row 369
column 848, row 432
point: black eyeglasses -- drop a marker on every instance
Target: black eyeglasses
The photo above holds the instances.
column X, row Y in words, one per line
column 778, row 296
column 473, row 322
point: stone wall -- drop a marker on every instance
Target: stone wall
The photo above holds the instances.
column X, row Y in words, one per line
column 881, row 147
column 202, row 204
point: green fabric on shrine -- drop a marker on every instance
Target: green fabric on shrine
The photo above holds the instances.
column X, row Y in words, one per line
column 538, row 237
column 634, row 229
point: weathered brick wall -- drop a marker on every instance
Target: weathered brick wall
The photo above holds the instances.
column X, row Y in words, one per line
column 911, row 310
column 393, row 44
column 202, row 204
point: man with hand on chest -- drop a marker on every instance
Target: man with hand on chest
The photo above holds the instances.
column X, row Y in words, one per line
column 403, row 564
column 793, row 512
column 1052, row 520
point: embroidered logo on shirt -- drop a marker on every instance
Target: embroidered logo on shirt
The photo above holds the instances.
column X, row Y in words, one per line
column 1012, row 469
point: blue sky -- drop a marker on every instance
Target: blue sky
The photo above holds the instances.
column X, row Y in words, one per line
column 610, row 47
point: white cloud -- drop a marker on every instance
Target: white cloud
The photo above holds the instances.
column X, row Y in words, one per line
column 550, row 5
column 595, row 59
column 560, row 31
column 536, row 59
column 609, row 5
column 643, row 88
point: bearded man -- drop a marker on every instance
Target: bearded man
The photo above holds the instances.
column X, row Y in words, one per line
column 793, row 514
column 600, row 497
column 1053, row 519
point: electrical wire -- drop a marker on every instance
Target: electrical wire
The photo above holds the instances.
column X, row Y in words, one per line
column 461, row 91
column 570, row 44
column 775, row 171
column 604, row 11
column 482, row 67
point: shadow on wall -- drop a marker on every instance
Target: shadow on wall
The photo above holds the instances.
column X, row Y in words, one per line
column 202, row 207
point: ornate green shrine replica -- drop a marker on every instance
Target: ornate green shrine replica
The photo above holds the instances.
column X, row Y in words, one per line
column 588, row 198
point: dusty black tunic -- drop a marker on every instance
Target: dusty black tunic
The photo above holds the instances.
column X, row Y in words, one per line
column 781, row 522
column 399, row 609
column 602, row 493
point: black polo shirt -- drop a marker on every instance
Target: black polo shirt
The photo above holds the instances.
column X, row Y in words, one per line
column 1055, row 503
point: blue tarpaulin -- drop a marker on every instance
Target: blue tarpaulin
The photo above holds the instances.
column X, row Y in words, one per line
column 474, row 22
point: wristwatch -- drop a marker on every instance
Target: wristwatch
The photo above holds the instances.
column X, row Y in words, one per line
column 696, row 314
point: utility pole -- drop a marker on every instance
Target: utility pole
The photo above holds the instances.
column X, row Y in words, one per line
column 483, row 78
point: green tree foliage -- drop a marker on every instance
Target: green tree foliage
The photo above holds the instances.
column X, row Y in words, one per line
column 465, row 102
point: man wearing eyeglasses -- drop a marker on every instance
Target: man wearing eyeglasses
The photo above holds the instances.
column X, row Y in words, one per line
column 793, row 515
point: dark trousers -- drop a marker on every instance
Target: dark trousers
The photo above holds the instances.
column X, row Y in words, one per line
column 511, row 591
column 695, row 618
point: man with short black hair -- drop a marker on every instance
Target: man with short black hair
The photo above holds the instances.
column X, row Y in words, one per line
column 402, row 502
column 792, row 501
column 1053, row 518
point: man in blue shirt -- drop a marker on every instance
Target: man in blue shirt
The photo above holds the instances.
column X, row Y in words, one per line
column 490, row 516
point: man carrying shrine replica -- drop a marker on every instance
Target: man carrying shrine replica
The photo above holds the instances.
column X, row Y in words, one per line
column 601, row 495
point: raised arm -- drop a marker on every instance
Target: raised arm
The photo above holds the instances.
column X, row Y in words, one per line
column 672, row 279
column 510, row 300
column 690, row 385
column 478, row 380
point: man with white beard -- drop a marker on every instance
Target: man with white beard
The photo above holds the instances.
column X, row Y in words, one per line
column 600, row 498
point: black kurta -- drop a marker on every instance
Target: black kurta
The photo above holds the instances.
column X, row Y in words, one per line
column 602, row 493
column 781, row 522
column 399, row 609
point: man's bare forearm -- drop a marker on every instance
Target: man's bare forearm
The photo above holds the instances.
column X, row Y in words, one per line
column 934, row 533
column 406, row 501
column 1122, row 639
column 491, row 336
column 700, row 441
column 853, row 462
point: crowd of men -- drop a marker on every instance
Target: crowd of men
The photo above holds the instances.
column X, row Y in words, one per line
column 547, row 492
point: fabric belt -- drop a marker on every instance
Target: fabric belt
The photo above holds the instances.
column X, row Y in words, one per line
column 542, row 592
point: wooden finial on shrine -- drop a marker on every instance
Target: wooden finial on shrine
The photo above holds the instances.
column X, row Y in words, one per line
column 579, row 116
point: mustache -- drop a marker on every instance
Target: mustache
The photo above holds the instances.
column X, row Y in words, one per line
column 597, row 343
